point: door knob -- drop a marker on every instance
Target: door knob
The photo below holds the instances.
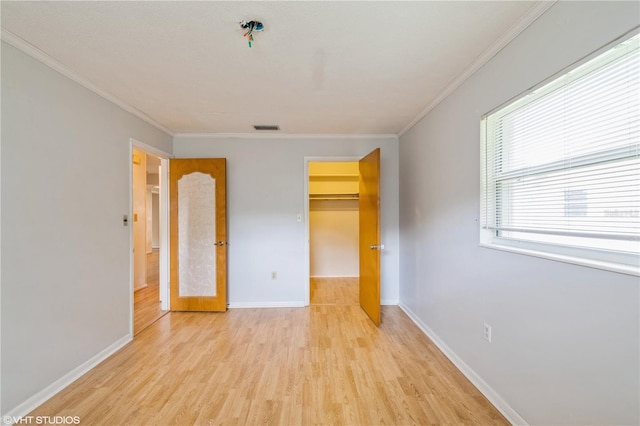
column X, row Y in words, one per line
column 376, row 247
column 220, row 243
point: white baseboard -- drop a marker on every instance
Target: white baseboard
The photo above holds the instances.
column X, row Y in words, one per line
column 512, row 415
column 389, row 302
column 47, row 393
column 250, row 305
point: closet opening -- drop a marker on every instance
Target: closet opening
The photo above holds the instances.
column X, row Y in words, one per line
column 333, row 232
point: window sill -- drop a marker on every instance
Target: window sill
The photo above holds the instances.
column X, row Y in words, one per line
column 620, row 268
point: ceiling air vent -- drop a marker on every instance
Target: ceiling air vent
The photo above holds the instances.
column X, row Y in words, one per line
column 266, row 127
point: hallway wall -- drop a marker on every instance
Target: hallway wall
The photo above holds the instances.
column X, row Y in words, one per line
column 139, row 218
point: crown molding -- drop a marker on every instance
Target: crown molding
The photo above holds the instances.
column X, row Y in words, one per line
column 529, row 18
column 281, row 136
column 39, row 55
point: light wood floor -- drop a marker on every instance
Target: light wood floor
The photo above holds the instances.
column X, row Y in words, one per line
column 146, row 301
column 334, row 291
column 324, row 364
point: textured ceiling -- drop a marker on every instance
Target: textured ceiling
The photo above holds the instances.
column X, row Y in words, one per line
column 318, row 67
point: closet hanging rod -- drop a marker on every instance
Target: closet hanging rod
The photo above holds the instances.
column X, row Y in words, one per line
column 333, row 196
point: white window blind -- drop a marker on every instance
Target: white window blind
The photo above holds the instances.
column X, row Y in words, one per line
column 561, row 164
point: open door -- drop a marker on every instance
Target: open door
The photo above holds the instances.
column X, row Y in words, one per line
column 369, row 205
column 198, row 234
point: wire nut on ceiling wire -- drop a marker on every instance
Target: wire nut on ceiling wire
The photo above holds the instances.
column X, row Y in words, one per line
column 250, row 27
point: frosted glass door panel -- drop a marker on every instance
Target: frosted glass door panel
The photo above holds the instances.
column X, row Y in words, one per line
column 197, row 235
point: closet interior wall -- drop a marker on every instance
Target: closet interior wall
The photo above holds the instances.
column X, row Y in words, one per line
column 333, row 219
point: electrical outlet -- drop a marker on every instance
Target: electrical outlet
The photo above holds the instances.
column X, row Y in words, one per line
column 274, row 275
column 487, row 332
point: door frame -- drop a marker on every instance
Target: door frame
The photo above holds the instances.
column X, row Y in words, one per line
column 307, row 231
column 164, row 223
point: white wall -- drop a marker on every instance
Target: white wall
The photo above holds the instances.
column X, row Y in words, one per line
column 265, row 192
column 333, row 238
column 155, row 220
column 65, row 253
column 565, row 338
column 153, row 211
column 139, row 219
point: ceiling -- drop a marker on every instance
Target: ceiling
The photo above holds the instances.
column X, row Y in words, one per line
column 332, row 67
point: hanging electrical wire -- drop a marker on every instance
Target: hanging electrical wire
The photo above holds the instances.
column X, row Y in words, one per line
column 251, row 27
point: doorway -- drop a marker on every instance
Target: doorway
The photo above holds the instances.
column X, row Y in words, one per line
column 148, row 236
column 368, row 196
column 333, row 232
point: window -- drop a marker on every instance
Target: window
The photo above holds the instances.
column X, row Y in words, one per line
column 561, row 166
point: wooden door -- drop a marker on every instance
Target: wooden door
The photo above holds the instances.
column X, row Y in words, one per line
column 198, row 234
column 369, row 205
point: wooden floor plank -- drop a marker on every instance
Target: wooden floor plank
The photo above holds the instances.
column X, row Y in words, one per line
column 146, row 301
column 292, row 366
column 334, row 291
